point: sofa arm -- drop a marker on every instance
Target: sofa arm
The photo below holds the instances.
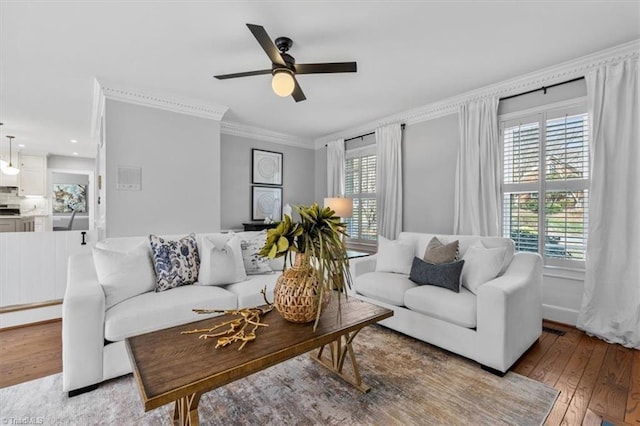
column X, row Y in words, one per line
column 83, row 312
column 510, row 312
column 362, row 265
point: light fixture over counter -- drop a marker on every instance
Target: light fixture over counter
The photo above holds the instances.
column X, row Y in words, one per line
column 10, row 170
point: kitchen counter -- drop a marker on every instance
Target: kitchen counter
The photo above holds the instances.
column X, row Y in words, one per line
column 28, row 222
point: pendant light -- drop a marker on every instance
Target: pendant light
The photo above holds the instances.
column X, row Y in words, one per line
column 3, row 163
column 10, row 170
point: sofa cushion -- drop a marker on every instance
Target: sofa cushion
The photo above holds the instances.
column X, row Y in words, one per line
column 221, row 260
column 248, row 291
column 176, row 262
column 437, row 252
column 394, row 256
column 154, row 311
column 445, row 275
column 456, row 308
column 386, row 287
column 124, row 275
column 481, row 265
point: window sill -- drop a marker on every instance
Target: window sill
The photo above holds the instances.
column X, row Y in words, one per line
column 576, row 274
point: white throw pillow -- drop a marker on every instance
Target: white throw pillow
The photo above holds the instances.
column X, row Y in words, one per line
column 221, row 260
column 124, row 275
column 394, row 256
column 481, row 265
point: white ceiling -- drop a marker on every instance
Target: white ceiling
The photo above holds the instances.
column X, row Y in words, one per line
column 409, row 54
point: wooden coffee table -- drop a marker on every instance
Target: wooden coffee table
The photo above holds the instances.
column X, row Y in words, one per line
column 170, row 366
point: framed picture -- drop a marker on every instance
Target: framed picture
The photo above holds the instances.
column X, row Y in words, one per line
column 68, row 197
column 266, row 167
column 266, row 201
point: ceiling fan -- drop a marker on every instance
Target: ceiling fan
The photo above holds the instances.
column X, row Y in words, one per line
column 284, row 67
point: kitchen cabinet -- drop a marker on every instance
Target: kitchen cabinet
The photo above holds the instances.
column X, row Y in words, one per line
column 32, row 175
column 8, row 225
column 8, row 180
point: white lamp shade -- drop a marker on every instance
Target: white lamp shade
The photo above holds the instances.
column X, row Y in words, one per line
column 10, row 170
column 283, row 83
column 342, row 206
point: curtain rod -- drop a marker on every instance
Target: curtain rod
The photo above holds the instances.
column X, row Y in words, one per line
column 543, row 88
column 367, row 134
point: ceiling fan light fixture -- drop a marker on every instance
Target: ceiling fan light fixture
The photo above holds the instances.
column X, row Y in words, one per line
column 282, row 82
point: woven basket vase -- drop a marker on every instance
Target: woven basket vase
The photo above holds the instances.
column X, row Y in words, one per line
column 296, row 292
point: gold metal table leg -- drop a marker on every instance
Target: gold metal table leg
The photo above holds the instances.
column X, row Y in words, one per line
column 338, row 350
column 185, row 412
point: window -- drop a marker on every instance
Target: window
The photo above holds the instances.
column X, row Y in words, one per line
column 360, row 185
column 546, row 158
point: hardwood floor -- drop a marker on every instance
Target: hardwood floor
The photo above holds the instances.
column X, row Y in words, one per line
column 597, row 381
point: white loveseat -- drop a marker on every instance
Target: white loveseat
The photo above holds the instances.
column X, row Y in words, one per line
column 93, row 334
column 493, row 327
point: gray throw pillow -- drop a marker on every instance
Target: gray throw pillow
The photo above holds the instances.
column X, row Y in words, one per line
column 446, row 275
column 437, row 252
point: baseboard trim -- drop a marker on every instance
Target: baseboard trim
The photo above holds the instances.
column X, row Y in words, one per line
column 25, row 306
column 560, row 314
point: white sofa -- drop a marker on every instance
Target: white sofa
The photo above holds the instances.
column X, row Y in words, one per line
column 494, row 327
column 93, row 348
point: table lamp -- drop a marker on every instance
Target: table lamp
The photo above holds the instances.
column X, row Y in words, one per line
column 342, row 206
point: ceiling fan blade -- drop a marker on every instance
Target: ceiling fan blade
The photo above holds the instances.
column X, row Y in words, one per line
column 267, row 45
column 242, row 74
column 327, row 67
column 298, row 94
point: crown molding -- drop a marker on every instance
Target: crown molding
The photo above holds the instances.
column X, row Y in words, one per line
column 106, row 90
column 546, row 76
column 257, row 133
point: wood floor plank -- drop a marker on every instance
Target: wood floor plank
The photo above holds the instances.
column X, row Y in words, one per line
column 610, row 393
column 526, row 364
column 30, row 352
column 579, row 404
column 633, row 397
column 570, row 377
column 555, row 360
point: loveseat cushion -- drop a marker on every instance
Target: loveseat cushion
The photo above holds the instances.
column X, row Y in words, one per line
column 157, row 310
column 456, row 308
column 248, row 291
column 387, row 287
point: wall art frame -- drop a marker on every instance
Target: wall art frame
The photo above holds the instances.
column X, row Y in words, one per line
column 266, row 201
column 266, row 167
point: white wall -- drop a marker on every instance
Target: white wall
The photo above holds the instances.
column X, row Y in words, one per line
column 298, row 177
column 180, row 159
column 62, row 162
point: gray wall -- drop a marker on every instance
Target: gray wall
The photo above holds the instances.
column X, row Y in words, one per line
column 298, row 177
column 429, row 154
column 180, row 159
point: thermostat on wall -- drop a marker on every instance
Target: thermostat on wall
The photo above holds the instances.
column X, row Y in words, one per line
column 129, row 178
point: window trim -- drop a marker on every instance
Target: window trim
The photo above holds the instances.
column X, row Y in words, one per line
column 543, row 113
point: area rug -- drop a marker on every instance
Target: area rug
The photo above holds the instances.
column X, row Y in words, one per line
column 411, row 383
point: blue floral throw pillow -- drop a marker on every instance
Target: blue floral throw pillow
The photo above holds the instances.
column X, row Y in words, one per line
column 176, row 262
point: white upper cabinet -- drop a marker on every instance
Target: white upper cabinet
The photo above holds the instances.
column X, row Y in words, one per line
column 32, row 175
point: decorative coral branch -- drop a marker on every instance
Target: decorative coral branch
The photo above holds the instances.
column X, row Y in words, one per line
column 237, row 326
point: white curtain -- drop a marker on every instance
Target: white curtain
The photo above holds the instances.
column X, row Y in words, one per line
column 335, row 168
column 389, row 180
column 477, row 185
column 611, row 301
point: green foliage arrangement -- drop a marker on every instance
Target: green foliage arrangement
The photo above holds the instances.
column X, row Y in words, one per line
column 318, row 234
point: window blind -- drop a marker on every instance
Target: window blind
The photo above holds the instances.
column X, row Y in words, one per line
column 360, row 185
